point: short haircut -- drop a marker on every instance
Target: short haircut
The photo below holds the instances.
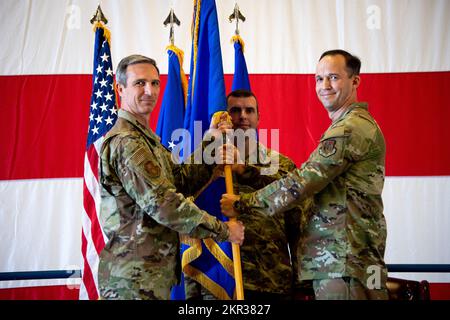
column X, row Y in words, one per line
column 352, row 62
column 242, row 93
column 121, row 72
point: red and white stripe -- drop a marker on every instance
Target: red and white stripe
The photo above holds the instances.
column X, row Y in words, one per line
column 93, row 239
column 46, row 74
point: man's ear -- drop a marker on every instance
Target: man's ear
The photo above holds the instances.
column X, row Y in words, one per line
column 356, row 81
column 119, row 88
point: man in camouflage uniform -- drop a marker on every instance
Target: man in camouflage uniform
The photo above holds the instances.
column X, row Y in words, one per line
column 268, row 254
column 141, row 211
column 343, row 249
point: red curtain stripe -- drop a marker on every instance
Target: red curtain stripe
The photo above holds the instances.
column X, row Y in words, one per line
column 43, row 134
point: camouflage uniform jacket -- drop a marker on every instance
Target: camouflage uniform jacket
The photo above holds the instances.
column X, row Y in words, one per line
column 267, row 265
column 142, row 214
column 345, row 174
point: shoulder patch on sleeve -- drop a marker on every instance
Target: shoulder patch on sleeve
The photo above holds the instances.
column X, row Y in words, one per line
column 327, row 148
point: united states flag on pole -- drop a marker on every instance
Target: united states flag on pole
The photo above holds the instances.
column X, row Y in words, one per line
column 103, row 114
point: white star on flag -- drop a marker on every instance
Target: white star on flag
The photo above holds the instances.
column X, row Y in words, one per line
column 109, row 120
column 99, row 119
column 103, row 83
column 98, row 93
column 104, row 57
column 108, row 96
column 171, row 145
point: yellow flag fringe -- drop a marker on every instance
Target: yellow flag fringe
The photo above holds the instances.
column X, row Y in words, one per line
column 237, row 38
column 184, row 82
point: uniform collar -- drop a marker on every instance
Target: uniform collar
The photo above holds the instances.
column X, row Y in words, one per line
column 135, row 122
column 353, row 106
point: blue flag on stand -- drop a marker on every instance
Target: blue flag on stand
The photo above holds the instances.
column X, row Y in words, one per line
column 240, row 78
column 171, row 115
column 206, row 90
column 206, row 261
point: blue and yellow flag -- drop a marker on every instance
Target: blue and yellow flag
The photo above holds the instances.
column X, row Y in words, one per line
column 240, row 78
column 171, row 115
column 209, row 262
column 206, row 261
column 206, row 90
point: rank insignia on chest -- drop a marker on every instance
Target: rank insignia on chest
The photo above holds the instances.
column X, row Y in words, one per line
column 327, row 148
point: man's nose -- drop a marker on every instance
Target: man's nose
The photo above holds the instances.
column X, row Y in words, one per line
column 326, row 83
column 148, row 89
column 243, row 114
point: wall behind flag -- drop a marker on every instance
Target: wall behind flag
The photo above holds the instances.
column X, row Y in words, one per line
column 46, row 69
column 283, row 37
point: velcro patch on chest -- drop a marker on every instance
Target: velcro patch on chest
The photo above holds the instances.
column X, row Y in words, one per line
column 327, row 148
column 153, row 170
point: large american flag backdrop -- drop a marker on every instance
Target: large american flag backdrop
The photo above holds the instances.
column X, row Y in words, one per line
column 46, row 79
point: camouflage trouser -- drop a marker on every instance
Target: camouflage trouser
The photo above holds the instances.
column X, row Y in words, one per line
column 195, row 291
column 346, row 289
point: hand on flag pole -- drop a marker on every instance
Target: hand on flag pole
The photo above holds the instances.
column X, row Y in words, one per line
column 236, row 229
column 221, row 127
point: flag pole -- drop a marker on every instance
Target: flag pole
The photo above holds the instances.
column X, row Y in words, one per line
column 235, row 247
column 171, row 20
column 237, row 15
column 236, row 250
column 99, row 16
